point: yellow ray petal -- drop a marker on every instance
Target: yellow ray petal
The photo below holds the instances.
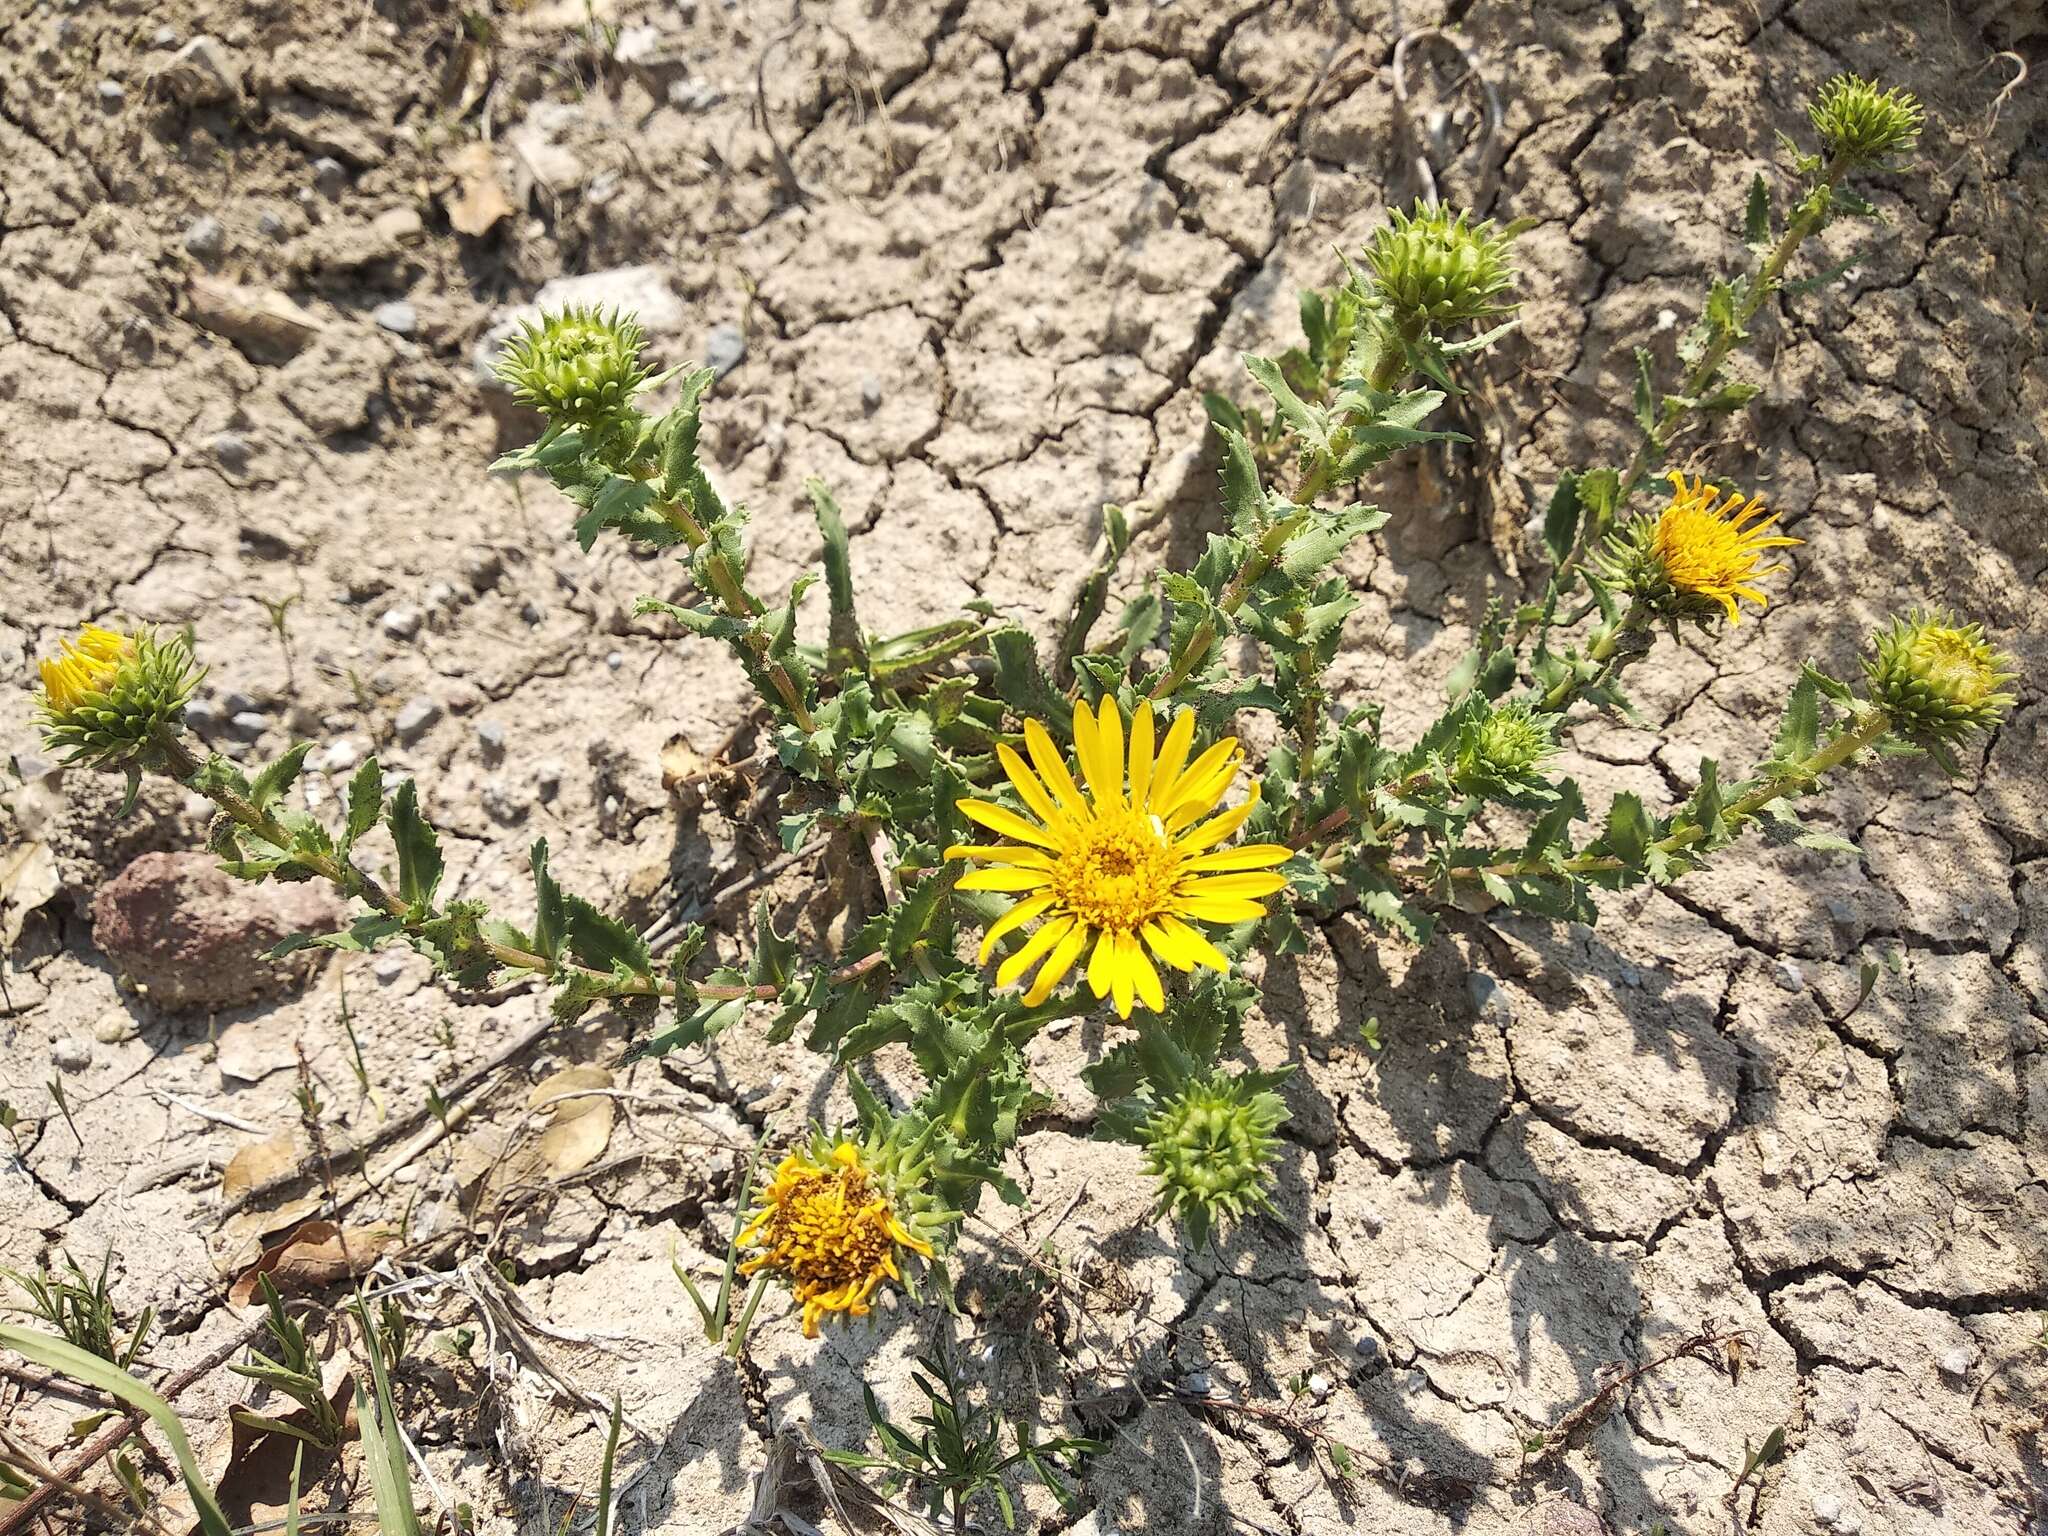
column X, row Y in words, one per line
column 1217, row 828
column 997, row 819
column 1001, row 878
column 1038, row 944
column 1252, row 884
column 1056, row 967
column 1203, row 784
column 1192, row 945
column 1173, row 756
column 1243, row 856
column 1122, row 984
column 1045, row 757
column 1031, row 858
column 1107, row 781
column 1029, row 789
column 1141, row 752
column 1219, row 909
column 1018, row 915
column 1143, row 979
column 1099, row 964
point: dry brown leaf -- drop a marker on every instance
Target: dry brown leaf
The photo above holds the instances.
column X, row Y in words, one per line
column 267, row 326
column 480, row 199
column 257, row 1162
column 314, row 1256
column 579, row 1128
column 684, row 768
column 28, row 878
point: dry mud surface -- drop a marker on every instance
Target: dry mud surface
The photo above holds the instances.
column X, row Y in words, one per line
column 981, row 261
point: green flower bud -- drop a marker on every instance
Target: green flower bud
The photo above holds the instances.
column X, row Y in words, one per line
column 1506, row 747
column 1210, row 1146
column 1437, row 266
column 109, row 698
column 579, row 366
column 1858, row 122
column 1940, row 682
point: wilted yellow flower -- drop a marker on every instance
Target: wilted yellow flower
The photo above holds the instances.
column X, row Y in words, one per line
column 83, row 667
column 826, row 1227
column 1123, row 869
column 1711, row 549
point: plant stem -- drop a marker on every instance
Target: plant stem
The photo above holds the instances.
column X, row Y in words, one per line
column 1803, row 773
column 353, row 881
column 741, row 605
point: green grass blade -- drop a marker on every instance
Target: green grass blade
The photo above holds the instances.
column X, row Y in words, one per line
column 70, row 1360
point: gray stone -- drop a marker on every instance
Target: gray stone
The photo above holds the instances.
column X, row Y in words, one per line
column 1786, row 974
column 500, row 804
column 271, row 225
column 725, row 348
column 330, row 175
column 547, row 779
column 530, row 612
column 389, row 967
column 482, row 569
column 70, row 1055
column 239, row 703
column 1957, row 1362
column 416, row 718
column 870, row 392
column 340, row 756
column 205, row 239
column 204, row 716
column 490, row 735
column 1488, row 1000
column 201, row 74
column 399, row 226
column 615, row 659
column 402, row 623
column 232, row 450
column 694, row 95
column 398, row 317
column 249, row 725
column 112, row 93
column 164, row 37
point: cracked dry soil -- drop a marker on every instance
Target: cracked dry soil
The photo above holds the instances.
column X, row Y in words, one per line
column 983, row 260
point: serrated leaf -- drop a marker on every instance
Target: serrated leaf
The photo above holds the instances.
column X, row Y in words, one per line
column 1646, row 395
column 365, row 801
column 278, row 777
column 1799, row 730
column 1304, row 419
column 1223, row 412
column 1756, row 213
column 419, row 849
column 1828, row 842
column 1730, row 397
column 550, row 915
column 1629, row 829
column 1244, row 497
column 602, row 942
column 1561, row 519
column 845, row 648
column 679, row 467
column 1327, row 535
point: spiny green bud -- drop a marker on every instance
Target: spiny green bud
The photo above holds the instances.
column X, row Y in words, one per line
column 1858, row 122
column 1211, row 1146
column 580, row 365
column 108, row 698
column 1507, row 746
column 1940, row 682
column 1438, row 266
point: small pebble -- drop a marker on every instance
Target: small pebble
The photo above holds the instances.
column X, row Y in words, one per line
column 402, row 623
column 530, row 612
column 114, row 1026
column 232, row 450
column 1488, row 1000
column 249, row 725
column 615, row 660
column 112, row 93
column 1957, row 1362
column 239, row 703
column 205, row 239
column 165, row 37
column 490, row 735
column 1788, row 976
column 1196, row 1382
column 416, row 718
column 500, row 804
column 399, row 226
column 271, row 225
column 1840, row 911
column 204, row 716
column 870, row 392
column 547, row 778
column 341, row 755
column 1368, row 1346
column 694, row 95
column 1319, row 1386
column 724, row 349
column 441, row 595
column 329, row 175
column 1631, row 977
column 482, row 569
column 389, row 968
column 397, row 317
column 71, row 1055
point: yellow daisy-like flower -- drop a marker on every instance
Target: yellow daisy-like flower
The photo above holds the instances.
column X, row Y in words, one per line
column 83, row 667
column 1129, row 865
column 1712, row 548
column 830, row 1232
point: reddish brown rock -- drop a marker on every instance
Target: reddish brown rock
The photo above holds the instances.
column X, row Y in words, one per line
column 193, row 937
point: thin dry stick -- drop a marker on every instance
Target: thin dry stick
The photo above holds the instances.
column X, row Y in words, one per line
column 103, row 1442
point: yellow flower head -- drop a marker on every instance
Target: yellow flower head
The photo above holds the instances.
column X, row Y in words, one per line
column 1124, row 865
column 83, row 667
column 1712, row 549
column 825, row 1226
